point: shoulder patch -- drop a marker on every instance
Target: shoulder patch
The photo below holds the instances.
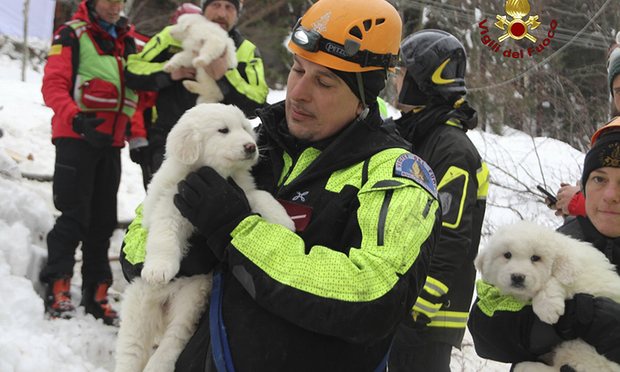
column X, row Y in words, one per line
column 414, row 168
column 55, row 50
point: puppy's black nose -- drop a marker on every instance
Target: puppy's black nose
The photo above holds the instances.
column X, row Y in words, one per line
column 249, row 148
column 517, row 280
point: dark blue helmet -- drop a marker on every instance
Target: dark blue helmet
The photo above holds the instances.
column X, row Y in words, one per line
column 435, row 62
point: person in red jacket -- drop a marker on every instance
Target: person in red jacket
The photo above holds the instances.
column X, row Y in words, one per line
column 84, row 85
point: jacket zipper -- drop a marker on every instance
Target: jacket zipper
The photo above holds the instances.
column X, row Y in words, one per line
column 383, row 217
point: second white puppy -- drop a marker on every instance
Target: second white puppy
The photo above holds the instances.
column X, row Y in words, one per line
column 203, row 41
column 537, row 264
column 156, row 307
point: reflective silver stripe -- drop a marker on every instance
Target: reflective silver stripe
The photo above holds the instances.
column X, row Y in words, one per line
column 449, row 320
column 435, row 288
column 99, row 99
column 130, row 103
column 429, row 310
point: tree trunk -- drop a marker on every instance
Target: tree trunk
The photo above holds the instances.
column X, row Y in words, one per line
column 25, row 54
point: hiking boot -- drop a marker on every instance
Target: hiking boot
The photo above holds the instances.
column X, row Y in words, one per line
column 95, row 302
column 58, row 299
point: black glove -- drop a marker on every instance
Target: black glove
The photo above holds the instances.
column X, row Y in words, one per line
column 86, row 124
column 141, row 155
column 596, row 320
column 420, row 320
column 213, row 205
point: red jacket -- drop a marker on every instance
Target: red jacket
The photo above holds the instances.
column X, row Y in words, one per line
column 59, row 78
column 577, row 205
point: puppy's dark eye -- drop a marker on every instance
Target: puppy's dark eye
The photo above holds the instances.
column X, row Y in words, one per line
column 535, row 258
column 507, row 255
column 223, row 130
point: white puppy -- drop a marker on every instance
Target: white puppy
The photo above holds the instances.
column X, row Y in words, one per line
column 534, row 263
column 157, row 308
column 203, row 41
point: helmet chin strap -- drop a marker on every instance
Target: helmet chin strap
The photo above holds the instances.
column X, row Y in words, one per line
column 360, row 86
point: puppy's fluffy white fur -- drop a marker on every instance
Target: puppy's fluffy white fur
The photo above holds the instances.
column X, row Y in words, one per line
column 531, row 262
column 203, row 41
column 157, row 309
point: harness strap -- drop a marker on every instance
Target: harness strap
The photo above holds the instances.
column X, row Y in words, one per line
column 219, row 340
column 382, row 367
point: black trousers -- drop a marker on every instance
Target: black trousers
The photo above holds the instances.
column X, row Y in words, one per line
column 412, row 350
column 86, row 181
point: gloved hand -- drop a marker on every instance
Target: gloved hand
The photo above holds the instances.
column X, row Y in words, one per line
column 213, row 205
column 86, row 125
column 429, row 302
column 140, row 152
column 596, row 320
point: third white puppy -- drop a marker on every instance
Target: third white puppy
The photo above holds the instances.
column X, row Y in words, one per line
column 537, row 264
column 203, row 41
column 158, row 307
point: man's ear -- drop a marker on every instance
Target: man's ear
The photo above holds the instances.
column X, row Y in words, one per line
column 359, row 109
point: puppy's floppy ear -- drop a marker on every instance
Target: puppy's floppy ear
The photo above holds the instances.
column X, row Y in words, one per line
column 564, row 268
column 184, row 143
column 480, row 260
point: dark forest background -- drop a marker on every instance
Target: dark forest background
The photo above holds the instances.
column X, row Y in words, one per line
column 561, row 92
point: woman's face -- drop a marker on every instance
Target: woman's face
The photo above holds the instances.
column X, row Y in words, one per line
column 603, row 200
column 109, row 10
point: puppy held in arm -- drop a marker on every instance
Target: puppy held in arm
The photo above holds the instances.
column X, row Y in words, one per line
column 542, row 266
column 203, row 42
column 159, row 309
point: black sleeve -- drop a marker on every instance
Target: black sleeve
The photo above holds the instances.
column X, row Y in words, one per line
column 198, row 260
column 511, row 336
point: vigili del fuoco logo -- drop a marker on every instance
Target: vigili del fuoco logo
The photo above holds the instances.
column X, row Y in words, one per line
column 514, row 25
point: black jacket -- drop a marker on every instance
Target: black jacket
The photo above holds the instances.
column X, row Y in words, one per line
column 304, row 301
column 438, row 135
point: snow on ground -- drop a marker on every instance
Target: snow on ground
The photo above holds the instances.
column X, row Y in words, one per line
column 28, row 342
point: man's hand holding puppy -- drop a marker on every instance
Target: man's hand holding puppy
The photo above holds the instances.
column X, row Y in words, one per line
column 218, row 67
column 183, row 73
column 213, row 205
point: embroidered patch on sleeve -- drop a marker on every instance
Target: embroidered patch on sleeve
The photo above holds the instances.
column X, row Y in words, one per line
column 413, row 167
column 55, row 49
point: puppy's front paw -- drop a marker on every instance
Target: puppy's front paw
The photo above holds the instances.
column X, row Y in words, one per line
column 287, row 222
column 548, row 309
column 171, row 66
column 157, row 272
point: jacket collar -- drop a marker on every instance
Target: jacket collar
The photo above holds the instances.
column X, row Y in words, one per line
column 357, row 142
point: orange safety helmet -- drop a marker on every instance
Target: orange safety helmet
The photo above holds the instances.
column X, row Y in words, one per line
column 349, row 35
column 613, row 125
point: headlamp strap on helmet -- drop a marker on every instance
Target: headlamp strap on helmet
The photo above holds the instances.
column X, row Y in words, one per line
column 360, row 86
column 364, row 58
column 313, row 41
